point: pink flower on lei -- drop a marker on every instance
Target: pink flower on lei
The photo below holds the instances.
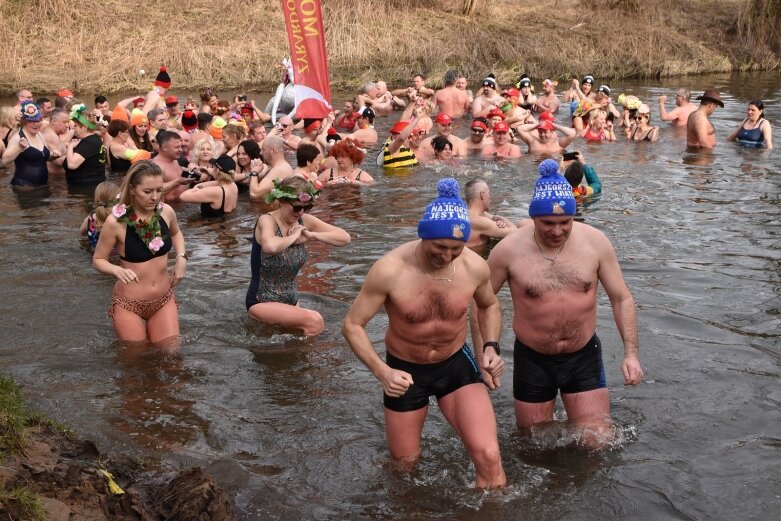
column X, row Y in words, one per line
column 304, row 197
column 155, row 244
column 119, row 210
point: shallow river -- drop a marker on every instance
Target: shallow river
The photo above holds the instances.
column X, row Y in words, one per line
column 294, row 428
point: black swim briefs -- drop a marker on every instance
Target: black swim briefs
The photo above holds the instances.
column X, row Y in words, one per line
column 439, row 379
column 537, row 378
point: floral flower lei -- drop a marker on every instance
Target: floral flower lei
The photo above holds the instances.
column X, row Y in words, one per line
column 147, row 230
column 287, row 192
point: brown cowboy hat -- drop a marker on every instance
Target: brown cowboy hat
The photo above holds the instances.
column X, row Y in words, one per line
column 711, row 95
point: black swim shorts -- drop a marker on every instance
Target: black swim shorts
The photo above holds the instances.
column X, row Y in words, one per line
column 438, row 379
column 537, row 378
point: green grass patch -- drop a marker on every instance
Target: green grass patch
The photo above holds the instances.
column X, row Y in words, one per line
column 22, row 503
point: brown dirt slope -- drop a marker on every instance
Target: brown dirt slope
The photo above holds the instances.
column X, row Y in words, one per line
column 51, row 44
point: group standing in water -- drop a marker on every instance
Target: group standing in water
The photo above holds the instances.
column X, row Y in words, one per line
column 210, row 154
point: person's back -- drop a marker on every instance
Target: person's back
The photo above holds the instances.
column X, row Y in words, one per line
column 452, row 101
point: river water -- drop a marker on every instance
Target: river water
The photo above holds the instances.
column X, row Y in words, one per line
column 294, row 428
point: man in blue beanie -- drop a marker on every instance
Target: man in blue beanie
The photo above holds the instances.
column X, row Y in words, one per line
column 426, row 287
column 553, row 269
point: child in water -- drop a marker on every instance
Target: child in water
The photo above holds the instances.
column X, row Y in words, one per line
column 105, row 198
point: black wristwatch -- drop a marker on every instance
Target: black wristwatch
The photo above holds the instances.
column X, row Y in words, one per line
column 253, row 174
column 495, row 345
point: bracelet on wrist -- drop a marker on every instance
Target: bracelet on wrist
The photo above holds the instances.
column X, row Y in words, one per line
column 183, row 255
column 495, row 345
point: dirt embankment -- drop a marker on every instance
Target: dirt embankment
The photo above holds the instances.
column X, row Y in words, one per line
column 47, row 45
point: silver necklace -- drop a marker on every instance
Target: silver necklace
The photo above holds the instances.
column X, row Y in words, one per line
column 446, row 279
column 552, row 260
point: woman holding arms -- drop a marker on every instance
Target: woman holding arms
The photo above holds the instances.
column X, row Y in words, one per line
column 755, row 130
column 144, row 229
column 279, row 252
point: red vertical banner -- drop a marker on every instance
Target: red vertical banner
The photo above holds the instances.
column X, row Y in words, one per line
column 306, row 37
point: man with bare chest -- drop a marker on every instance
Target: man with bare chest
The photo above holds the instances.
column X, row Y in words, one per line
column 699, row 129
column 553, row 269
column 426, row 287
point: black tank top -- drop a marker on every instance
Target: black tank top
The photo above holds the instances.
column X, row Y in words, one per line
column 137, row 251
column 208, row 211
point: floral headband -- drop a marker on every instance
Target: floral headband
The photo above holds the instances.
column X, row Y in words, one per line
column 281, row 191
column 78, row 114
column 31, row 112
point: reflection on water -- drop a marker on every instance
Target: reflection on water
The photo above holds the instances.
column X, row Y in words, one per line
column 294, row 427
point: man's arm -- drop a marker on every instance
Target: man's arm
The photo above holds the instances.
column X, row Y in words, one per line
column 624, row 311
column 663, row 114
column 368, row 302
column 489, row 318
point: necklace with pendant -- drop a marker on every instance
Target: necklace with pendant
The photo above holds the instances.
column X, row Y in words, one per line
column 432, row 277
column 552, row 260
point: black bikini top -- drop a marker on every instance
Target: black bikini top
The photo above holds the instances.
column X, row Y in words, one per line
column 137, row 251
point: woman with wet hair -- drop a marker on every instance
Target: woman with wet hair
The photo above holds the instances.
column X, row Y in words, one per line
column 143, row 229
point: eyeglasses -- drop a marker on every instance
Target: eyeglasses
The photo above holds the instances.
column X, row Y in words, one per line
column 298, row 207
column 477, row 131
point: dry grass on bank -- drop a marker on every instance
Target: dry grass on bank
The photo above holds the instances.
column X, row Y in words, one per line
column 51, row 44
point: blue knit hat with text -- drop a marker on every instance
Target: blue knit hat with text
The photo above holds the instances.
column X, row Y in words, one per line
column 552, row 192
column 447, row 216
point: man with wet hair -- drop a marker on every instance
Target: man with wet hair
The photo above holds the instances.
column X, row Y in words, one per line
column 426, row 287
column 451, row 100
column 553, row 268
column 683, row 107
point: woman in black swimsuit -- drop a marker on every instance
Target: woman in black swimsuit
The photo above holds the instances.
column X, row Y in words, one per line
column 348, row 154
column 143, row 229
column 27, row 149
column 216, row 197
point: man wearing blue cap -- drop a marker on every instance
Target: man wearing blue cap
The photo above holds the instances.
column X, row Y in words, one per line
column 553, row 269
column 426, row 287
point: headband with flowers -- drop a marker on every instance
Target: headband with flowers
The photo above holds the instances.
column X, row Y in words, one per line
column 281, row 191
column 31, row 112
column 78, row 113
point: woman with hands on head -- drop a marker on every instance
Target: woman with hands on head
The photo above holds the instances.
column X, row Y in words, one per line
column 279, row 252
column 144, row 229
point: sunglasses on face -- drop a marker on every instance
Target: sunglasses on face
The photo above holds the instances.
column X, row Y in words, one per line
column 477, row 131
column 298, row 207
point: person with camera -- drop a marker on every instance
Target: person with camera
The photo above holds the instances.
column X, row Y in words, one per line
column 175, row 178
column 217, row 197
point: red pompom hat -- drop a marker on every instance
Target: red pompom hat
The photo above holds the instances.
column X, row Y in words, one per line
column 163, row 79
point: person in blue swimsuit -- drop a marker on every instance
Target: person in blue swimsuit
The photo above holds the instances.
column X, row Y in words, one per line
column 755, row 131
column 279, row 253
column 144, row 230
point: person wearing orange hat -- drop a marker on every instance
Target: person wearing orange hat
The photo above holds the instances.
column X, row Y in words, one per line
column 139, row 131
column 443, row 124
column 501, row 147
column 396, row 152
column 66, row 93
column 545, row 141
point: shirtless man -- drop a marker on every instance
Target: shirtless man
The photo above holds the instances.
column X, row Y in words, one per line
column 426, row 287
column 365, row 123
column 683, row 107
column 417, row 88
column 462, row 84
column 377, row 97
column 501, row 146
column 284, row 130
column 154, row 98
column 546, row 141
column 443, row 124
column 451, row 100
column 262, row 181
column 174, row 184
column 478, row 138
column 489, row 99
column 549, row 102
column 484, row 225
column 553, row 268
column 699, row 130
column 57, row 134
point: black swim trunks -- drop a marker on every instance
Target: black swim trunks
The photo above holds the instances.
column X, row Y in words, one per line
column 439, row 379
column 538, row 378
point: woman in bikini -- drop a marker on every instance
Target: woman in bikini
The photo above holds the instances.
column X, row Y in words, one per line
column 217, row 197
column 755, row 131
column 598, row 129
column 348, row 154
column 144, row 229
column 279, row 252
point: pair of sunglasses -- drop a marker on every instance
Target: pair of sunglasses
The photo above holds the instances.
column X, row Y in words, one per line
column 298, row 207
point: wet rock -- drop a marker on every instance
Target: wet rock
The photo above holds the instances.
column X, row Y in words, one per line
column 56, row 510
column 192, row 496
